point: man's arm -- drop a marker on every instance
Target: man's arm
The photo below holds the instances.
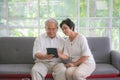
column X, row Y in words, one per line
column 37, row 50
column 42, row 57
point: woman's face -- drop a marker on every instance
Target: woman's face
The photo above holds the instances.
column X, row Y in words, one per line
column 66, row 30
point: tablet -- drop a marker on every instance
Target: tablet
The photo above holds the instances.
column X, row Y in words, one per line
column 52, row 51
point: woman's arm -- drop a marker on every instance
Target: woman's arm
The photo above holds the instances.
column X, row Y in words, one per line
column 61, row 55
column 78, row 62
column 81, row 60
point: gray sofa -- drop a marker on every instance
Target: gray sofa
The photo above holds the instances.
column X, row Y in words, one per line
column 16, row 58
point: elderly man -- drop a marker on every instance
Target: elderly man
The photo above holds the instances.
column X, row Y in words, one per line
column 47, row 62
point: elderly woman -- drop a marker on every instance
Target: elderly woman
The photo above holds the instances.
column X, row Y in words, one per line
column 76, row 49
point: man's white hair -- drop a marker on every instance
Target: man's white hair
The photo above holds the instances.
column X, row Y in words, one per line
column 51, row 20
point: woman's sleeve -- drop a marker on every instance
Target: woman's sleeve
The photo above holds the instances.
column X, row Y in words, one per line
column 85, row 47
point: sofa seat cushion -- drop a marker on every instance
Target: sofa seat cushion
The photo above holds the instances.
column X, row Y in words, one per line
column 101, row 71
column 15, row 70
column 23, row 70
column 105, row 71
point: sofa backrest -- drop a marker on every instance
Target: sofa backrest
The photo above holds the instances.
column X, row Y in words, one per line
column 19, row 49
column 100, row 48
column 16, row 50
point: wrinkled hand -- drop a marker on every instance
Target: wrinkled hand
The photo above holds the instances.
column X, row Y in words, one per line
column 50, row 56
column 70, row 65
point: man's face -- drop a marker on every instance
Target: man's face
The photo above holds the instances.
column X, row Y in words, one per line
column 51, row 29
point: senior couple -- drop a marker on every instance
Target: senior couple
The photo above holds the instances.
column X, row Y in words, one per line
column 75, row 48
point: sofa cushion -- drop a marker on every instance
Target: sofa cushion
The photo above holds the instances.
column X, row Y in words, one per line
column 16, row 50
column 15, row 68
column 102, row 71
column 23, row 70
column 100, row 48
column 105, row 71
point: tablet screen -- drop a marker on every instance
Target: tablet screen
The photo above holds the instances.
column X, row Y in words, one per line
column 52, row 51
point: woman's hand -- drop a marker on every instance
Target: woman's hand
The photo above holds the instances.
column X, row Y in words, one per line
column 78, row 62
column 61, row 55
column 70, row 65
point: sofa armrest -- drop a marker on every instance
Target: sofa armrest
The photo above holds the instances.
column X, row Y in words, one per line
column 115, row 59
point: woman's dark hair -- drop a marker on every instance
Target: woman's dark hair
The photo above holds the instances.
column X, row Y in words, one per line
column 69, row 23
